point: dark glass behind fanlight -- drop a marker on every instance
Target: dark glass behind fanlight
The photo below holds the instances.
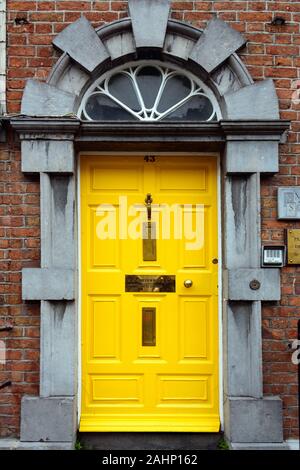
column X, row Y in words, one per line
column 121, row 87
column 176, row 89
column 197, row 108
column 102, row 108
column 149, row 81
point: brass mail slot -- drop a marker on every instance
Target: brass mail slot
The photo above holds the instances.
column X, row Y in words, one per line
column 148, row 326
column 147, row 283
column 149, row 241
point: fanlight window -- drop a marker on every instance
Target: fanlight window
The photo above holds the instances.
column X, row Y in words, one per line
column 148, row 92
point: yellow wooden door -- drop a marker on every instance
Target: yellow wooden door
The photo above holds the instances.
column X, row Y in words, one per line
column 150, row 357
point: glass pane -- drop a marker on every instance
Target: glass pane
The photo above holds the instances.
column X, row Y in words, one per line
column 121, row 87
column 176, row 89
column 149, row 80
column 148, row 326
column 101, row 108
column 197, row 108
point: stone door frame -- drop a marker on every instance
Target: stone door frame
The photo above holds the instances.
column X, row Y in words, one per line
column 247, row 139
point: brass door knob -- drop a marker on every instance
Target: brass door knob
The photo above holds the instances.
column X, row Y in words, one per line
column 188, row 283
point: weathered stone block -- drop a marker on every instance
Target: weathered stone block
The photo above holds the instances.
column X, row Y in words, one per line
column 253, row 420
column 47, row 156
column 58, row 245
column 251, row 156
column 149, row 21
column 58, row 362
column 243, row 350
column 242, row 221
column 41, row 99
column 257, row 101
column 72, row 80
column 217, row 42
column 16, row 444
column 48, row 419
column 47, row 284
column 254, row 284
column 120, row 45
column 82, row 43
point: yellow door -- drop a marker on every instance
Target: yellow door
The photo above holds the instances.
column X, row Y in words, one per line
column 149, row 337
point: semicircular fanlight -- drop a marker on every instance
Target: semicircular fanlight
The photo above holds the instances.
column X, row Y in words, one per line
column 147, row 93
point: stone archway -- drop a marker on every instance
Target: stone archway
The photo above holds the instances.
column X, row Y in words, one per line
column 248, row 137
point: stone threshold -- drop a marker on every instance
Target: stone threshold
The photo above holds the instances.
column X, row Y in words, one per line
column 259, row 446
column 16, row 444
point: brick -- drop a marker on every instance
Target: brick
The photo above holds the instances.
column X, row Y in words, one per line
column 255, row 16
column 182, row 5
column 15, row 39
column 21, row 6
column 74, row 6
column 282, row 50
column 41, row 39
column 288, row 72
column 21, row 51
column 221, row 6
column 47, row 17
column 43, row 28
column 47, row 6
column 115, row 6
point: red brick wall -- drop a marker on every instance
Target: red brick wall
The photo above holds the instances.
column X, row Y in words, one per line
column 19, row 247
column 272, row 51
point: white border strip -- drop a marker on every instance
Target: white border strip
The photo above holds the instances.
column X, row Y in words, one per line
column 79, row 384
column 2, row 57
column 294, row 444
column 220, row 293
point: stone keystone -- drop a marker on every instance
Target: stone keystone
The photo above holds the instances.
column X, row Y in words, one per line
column 149, row 21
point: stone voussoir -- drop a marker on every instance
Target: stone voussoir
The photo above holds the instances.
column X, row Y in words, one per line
column 81, row 42
column 257, row 101
column 216, row 44
column 41, row 99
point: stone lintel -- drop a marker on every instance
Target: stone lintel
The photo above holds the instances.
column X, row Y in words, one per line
column 64, row 128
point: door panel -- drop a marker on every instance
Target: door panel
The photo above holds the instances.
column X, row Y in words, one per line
column 149, row 358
